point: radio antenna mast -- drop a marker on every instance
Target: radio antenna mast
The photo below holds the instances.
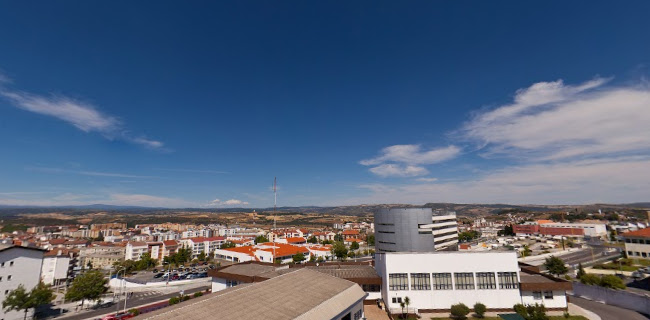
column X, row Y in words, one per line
column 275, row 205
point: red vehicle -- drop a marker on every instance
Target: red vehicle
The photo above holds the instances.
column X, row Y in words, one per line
column 119, row 316
column 175, row 277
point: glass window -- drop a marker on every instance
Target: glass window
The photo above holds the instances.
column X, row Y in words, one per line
column 486, row 280
column 398, row 281
column 508, row 280
column 548, row 294
column 537, row 295
column 11, row 263
column 420, row 281
column 464, row 280
column 397, row 299
column 442, row 281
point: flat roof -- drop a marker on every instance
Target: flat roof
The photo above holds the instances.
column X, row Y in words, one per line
column 302, row 294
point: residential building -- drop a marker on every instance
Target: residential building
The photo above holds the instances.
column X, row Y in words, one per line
column 312, row 295
column 135, row 250
column 414, row 230
column 58, row 266
column 549, row 228
column 18, row 266
column 436, row 281
column 264, row 252
column 637, row 243
column 169, row 248
column 203, row 244
column 101, row 256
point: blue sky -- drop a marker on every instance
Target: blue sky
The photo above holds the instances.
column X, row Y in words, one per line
column 201, row 104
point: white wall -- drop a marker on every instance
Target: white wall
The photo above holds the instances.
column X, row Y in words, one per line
column 558, row 301
column 54, row 267
column 448, row 262
column 26, row 270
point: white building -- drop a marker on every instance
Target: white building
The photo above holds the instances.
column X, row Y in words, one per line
column 203, row 244
column 135, row 250
column 58, row 265
column 18, row 266
column 435, row 281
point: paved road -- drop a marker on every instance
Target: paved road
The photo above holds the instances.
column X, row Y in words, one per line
column 138, row 299
column 607, row 312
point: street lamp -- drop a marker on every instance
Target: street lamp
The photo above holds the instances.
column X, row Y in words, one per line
column 117, row 303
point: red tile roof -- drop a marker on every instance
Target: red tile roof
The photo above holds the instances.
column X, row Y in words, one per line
column 203, row 239
column 643, row 233
column 350, row 232
column 170, row 243
column 296, row 240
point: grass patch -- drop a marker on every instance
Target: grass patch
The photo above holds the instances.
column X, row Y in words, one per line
column 616, row 267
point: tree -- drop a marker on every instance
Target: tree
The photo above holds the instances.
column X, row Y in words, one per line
column 87, row 286
column 298, row 257
column 339, row 250
column 371, row 239
column 312, row 239
column 20, row 299
column 581, row 271
column 338, row 237
column 227, row 245
column 407, row 302
column 354, row 245
column 466, row 236
column 526, row 252
column 202, row 256
column 261, row 239
column 459, row 311
column 320, row 259
column 531, row 312
column 312, row 258
column 555, row 266
column 17, row 299
column 590, row 279
column 611, row 281
column 402, row 304
column 507, row 231
column 480, row 309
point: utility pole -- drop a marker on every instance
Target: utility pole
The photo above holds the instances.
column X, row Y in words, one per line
column 275, row 205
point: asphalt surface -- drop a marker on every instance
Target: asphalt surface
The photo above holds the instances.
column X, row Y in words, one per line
column 607, row 312
column 137, row 300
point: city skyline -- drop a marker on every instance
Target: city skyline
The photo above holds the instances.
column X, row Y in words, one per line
column 346, row 103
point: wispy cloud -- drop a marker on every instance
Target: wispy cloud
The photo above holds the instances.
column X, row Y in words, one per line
column 87, row 173
column 192, row 170
column 226, row 203
column 426, row 179
column 82, row 115
column 407, row 160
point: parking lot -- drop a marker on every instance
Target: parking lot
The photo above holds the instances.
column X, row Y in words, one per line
column 176, row 273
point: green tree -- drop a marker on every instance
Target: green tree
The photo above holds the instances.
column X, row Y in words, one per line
column 202, row 256
column 41, row 294
column 402, row 304
column 611, row 281
column 320, row 259
column 470, row 235
column 354, row 245
column 87, row 286
column 18, row 299
column 261, row 239
column 338, row 237
column 371, row 239
column 555, row 266
column 339, row 250
column 227, row 245
column 407, row 303
column 459, row 311
column 312, row 239
column 590, row 279
column 581, row 271
column 298, row 257
column 312, row 258
column 480, row 309
column 531, row 312
column 526, row 252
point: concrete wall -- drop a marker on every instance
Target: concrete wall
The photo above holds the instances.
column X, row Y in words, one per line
column 620, row 298
column 558, row 301
column 396, row 230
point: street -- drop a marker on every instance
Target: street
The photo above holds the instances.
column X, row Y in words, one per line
column 607, row 312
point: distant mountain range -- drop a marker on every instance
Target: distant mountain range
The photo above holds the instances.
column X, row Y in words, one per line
column 358, row 210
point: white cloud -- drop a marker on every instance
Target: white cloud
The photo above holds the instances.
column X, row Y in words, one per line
column 231, row 202
column 396, row 170
column 84, row 116
column 551, row 121
column 412, row 154
column 614, row 180
column 426, row 179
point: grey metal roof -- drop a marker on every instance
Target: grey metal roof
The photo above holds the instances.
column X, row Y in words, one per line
column 347, row 271
column 303, row 294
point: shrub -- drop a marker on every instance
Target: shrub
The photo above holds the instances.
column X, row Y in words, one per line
column 531, row 311
column 612, row 281
column 520, row 309
column 134, row 311
column 459, row 311
column 590, row 279
column 174, row 300
column 480, row 309
column 198, row 294
column 185, row 298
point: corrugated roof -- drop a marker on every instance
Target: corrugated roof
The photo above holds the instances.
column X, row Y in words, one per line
column 303, row 294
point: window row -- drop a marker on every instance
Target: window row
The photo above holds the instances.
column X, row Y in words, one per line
column 462, row 281
column 11, row 264
column 637, row 254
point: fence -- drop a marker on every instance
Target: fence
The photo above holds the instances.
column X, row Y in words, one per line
column 620, row 298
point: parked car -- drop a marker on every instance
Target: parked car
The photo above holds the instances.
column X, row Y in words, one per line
column 119, row 316
column 155, row 271
column 158, row 275
column 175, row 277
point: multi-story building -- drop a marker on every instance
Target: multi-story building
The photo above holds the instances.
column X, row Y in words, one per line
column 58, row 266
column 203, row 244
column 101, row 256
column 550, row 228
column 435, row 281
column 135, row 250
column 18, row 266
column 265, row 252
column 637, row 243
column 414, row 230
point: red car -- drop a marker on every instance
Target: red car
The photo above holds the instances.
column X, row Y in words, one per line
column 175, row 277
column 119, row 316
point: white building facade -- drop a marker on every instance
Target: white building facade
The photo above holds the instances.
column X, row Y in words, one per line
column 18, row 266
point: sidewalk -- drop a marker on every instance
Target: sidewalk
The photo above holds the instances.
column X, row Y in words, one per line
column 576, row 310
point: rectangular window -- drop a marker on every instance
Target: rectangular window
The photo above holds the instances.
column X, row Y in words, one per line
column 398, row 281
column 397, row 300
column 548, row 294
column 11, row 263
column 464, row 280
column 508, row 280
column 9, row 278
column 442, row 281
column 537, row 295
column 420, row 281
column 486, row 280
